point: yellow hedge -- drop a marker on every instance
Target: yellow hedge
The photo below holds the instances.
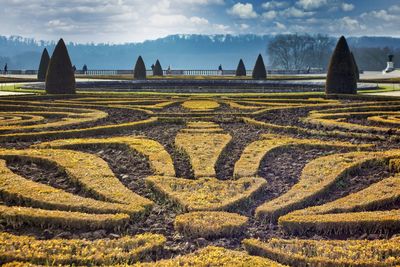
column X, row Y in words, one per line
column 350, row 214
column 317, row 177
column 203, row 149
column 206, row 194
column 216, row 257
column 160, row 160
column 125, row 250
column 79, row 132
column 210, row 224
column 16, row 216
column 87, row 170
column 328, row 253
column 250, row 160
column 200, row 105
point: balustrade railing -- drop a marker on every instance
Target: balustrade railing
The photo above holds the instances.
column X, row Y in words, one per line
column 174, row 72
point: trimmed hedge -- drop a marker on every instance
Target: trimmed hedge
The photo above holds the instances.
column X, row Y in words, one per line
column 341, row 77
column 241, row 69
column 76, row 252
column 210, row 224
column 17, row 216
column 214, row 256
column 206, row 194
column 251, row 157
column 43, row 66
column 139, row 73
column 159, row 159
column 203, row 149
column 328, row 253
column 158, row 71
column 259, row 71
column 60, row 78
column 351, row 213
column 317, row 177
column 356, row 69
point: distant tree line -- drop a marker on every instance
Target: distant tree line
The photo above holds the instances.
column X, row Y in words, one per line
column 302, row 51
column 373, row 58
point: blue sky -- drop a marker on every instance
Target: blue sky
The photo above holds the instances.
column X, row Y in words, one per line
column 119, row 21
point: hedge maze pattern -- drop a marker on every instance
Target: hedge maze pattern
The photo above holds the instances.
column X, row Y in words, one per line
column 199, row 180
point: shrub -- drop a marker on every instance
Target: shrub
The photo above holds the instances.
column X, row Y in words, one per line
column 210, row 224
column 159, row 159
column 78, row 252
column 356, row 69
column 44, row 64
column 317, row 177
column 207, row 194
column 250, row 160
column 351, row 213
column 157, row 71
column 259, row 71
column 341, row 78
column 60, row 78
column 326, row 253
column 17, row 189
column 19, row 217
column 140, row 69
column 213, row 256
column 203, row 150
column 241, row 69
column 200, row 105
column 96, row 178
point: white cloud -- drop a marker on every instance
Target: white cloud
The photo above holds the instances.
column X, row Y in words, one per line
column 311, row 4
column 59, row 26
column 274, row 4
column 382, row 15
column 293, row 12
column 347, row 7
column 221, row 28
column 395, row 8
column 107, row 21
column 280, row 26
column 270, row 15
column 244, row 26
column 203, row 2
column 243, row 11
column 347, row 24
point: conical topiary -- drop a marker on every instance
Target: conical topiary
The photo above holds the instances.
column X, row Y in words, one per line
column 140, row 69
column 157, row 71
column 60, row 78
column 44, row 64
column 259, row 71
column 241, row 69
column 356, row 69
column 341, row 78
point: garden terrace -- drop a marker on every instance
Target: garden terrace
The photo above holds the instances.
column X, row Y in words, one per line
column 166, row 179
column 202, row 86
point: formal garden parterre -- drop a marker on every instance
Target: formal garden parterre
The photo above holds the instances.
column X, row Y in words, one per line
column 199, row 180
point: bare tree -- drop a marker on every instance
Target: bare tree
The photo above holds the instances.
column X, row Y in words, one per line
column 294, row 51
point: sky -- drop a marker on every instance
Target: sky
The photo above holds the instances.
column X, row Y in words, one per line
column 122, row 21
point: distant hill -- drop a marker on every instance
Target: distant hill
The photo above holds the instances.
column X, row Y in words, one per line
column 179, row 51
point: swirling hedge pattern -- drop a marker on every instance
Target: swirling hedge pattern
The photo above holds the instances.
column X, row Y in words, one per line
column 211, row 173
